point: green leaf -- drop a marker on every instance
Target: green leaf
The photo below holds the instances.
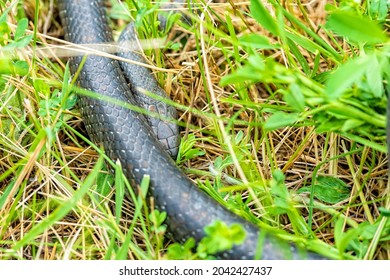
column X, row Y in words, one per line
column 187, row 150
column 283, row 203
column 239, row 137
column 157, row 218
column 279, row 191
column 41, row 86
column 246, row 73
column 295, row 98
column 356, row 28
column 104, row 183
column 10, row 67
column 298, row 55
column 220, row 237
column 4, row 14
column 344, row 239
column 178, row 251
column 256, row 41
column 120, row 11
column 367, row 232
column 346, row 75
column 375, row 77
column 5, row 195
column 280, row 119
column 338, row 230
column 303, row 41
column 329, row 189
column 385, row 212
column 379, row 9
column 21, row 43
column 351, row 124
column 263, row 16
column 21, row 29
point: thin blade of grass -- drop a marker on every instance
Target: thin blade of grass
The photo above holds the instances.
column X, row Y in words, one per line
column 263, row 16
column 120, row 191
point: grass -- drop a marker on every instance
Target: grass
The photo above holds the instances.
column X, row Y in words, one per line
column 283, row 108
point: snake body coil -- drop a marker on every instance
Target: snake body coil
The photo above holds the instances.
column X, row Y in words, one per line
column 127, row 137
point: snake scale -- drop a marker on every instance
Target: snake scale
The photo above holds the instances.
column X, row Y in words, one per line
column 127, row 137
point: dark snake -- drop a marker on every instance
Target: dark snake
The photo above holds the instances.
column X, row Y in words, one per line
column 126, row 136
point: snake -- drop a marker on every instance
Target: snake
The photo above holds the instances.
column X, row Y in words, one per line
column 127, row 136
